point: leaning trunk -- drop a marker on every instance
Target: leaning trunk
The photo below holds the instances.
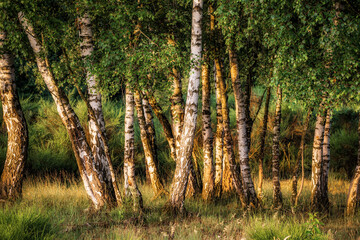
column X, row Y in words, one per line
column 228, row 143
column 188, row 132
column 353, row 197
column 96, row 122
column 262, row 143
column 150, row 129
column 165, row 125
column 94, row 185
column 317, row 162
column 242, row 130
column 148, row 148
column 277, row 196
column 129, row 152
column 17, row 146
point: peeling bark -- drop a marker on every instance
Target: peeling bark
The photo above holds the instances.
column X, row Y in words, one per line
column 96, row 123
column 129, row 151
column 242, row 131
column 262, row 143
column 17, row 143
column 277, row 196
column 188, row 131
column 93, row 181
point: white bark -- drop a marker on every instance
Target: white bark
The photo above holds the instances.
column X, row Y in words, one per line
column 188, row 132
column 93, row 182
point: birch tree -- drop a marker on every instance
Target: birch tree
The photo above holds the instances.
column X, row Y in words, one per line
column 148, row 147
column 17, row 132
column 188, row 131
column 317, row 162
column 92, row 177
column 208, row 177
column 96, row 122
column 129, row 152
column 277, row 196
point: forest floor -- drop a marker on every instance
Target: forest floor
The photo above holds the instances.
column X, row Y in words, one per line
column 56, row 209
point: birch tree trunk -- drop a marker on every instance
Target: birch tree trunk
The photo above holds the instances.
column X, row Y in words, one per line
column 17, row 143
column 96, row 123
column 262, row 143
column 129, row 153
column 219, row 143
column 148, row 148
column 228, row 143
column 177, row 116
column 165, row 125
column 93, row 181
column 168, row 132
column 208, row 177
column 188, row 132
column 242, row 131
column 353, row 198
column 294, row 192
column 326, row 161
column 277, row 196
column 150, row 129
column 177, row 109
column 229, row 165
column 317, row 162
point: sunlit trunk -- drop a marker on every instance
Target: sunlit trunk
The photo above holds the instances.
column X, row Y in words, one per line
column 208, row 177
column 317, row 162
column 93, row 181
column 129, row 152
column 177, row 109
column 262, row 143
column 188, row 132
column 17, row 133
column 277, row 196
column 219, row 144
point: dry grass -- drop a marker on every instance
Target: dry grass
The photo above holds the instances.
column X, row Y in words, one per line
column 64, row 201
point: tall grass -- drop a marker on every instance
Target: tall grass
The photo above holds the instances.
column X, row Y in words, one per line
column 53, row 207
column 27, row 223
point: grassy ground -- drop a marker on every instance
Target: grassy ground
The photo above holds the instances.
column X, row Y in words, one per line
column 55, row 209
